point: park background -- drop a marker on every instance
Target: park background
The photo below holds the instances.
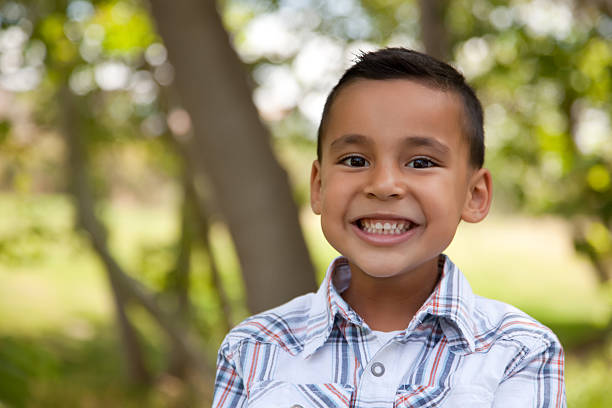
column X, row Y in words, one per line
column 154, row 167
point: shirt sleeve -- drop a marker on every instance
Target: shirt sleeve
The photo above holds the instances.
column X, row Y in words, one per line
column 536, row 382
column 229, row 387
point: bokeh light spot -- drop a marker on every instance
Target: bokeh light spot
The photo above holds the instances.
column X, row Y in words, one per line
column 598, row 178
column 179, row 122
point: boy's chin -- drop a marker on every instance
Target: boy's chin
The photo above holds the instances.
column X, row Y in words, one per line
column 385, row 268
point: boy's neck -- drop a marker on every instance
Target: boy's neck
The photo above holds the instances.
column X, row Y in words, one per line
column 388, row 304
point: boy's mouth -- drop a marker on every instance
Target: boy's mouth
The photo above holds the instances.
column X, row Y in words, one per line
column 384, row 226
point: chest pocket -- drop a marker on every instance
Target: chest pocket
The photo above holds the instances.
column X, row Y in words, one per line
column 282, row 394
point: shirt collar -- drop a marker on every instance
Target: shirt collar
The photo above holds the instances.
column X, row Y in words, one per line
column 328, row 304
column 451, row 302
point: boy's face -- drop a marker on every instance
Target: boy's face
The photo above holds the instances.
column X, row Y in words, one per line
column 394, row 179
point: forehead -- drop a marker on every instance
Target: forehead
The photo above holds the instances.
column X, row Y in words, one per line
column 388, row 111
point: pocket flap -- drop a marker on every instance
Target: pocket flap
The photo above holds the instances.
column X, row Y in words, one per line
column 424, row 396
column 266, row 394
column 421, row 396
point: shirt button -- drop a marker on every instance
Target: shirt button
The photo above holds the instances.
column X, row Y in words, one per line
column 377, row 369
column 297, row 406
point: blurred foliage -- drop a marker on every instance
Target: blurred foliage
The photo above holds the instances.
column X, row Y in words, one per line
column 58, row 329
column 109, row 55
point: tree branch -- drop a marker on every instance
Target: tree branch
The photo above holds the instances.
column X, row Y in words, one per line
column 433, row 29
column 87, row 220
column 136, row 366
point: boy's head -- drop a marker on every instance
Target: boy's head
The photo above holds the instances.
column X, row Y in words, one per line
column 402, row 63
column 399, row 162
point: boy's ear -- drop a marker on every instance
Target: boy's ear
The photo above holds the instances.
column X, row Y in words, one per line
column 478, row 199
column 315, row 187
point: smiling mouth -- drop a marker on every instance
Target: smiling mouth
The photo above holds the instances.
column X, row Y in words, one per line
column 385, row 227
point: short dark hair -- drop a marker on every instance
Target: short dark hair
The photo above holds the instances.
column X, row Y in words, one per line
column 402, row 63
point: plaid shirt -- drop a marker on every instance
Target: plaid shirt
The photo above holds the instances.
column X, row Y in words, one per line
column 459, row 350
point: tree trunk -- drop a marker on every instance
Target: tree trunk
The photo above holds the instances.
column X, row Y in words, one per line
column 433, row 29
column 232, row 145
column 79, row 186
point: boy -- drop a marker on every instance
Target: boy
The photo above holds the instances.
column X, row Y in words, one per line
column 394, row 323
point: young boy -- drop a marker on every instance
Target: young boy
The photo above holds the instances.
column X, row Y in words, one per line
column 394, row 323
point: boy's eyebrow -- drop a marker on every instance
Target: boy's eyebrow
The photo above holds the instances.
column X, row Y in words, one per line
column 350, row 139
column 409, row 141
column 418, row 141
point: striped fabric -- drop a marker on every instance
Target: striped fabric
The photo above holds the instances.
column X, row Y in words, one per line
column 460, row 350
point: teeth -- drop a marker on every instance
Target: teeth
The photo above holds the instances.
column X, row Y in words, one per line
column 384, row 228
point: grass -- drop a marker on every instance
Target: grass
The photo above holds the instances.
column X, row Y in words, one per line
column 58, row 345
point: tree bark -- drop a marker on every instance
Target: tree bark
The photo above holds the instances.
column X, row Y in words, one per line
column 232, row 145
column 433, row 29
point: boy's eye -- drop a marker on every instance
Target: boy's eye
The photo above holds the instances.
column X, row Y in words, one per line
column 421, row 163
column 355, row 161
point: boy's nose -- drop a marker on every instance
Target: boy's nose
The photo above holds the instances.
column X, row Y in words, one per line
column 385, row 182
